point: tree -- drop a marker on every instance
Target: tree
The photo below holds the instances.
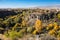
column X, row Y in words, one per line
column 52, row 32
column 58, row 16
column 38, row 25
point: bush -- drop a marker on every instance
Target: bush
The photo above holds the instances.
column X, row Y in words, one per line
column 13, row 34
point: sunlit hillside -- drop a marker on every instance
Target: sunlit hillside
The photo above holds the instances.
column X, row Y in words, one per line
column 16, row 24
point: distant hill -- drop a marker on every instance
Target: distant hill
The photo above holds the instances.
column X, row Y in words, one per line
column 47, row 7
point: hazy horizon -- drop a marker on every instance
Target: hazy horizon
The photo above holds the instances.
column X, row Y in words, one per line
column 27, row 3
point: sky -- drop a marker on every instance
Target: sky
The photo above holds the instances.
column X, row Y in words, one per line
column 27, row 3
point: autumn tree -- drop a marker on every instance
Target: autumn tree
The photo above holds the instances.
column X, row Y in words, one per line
column 38, row 26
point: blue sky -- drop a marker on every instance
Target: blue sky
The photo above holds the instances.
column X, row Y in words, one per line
column 27, row 3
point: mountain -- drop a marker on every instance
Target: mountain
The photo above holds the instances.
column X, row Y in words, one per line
column 47, row 7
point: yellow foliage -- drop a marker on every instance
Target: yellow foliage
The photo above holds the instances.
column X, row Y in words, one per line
column 51, row 32
column 49, row 26
column 38, row 25
column 13, row 16
column 55, row 24
column 56, row 27
column 23, row 23
column 14, row 26
column 59, row 26
column 34, row 32
column 58, row 16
